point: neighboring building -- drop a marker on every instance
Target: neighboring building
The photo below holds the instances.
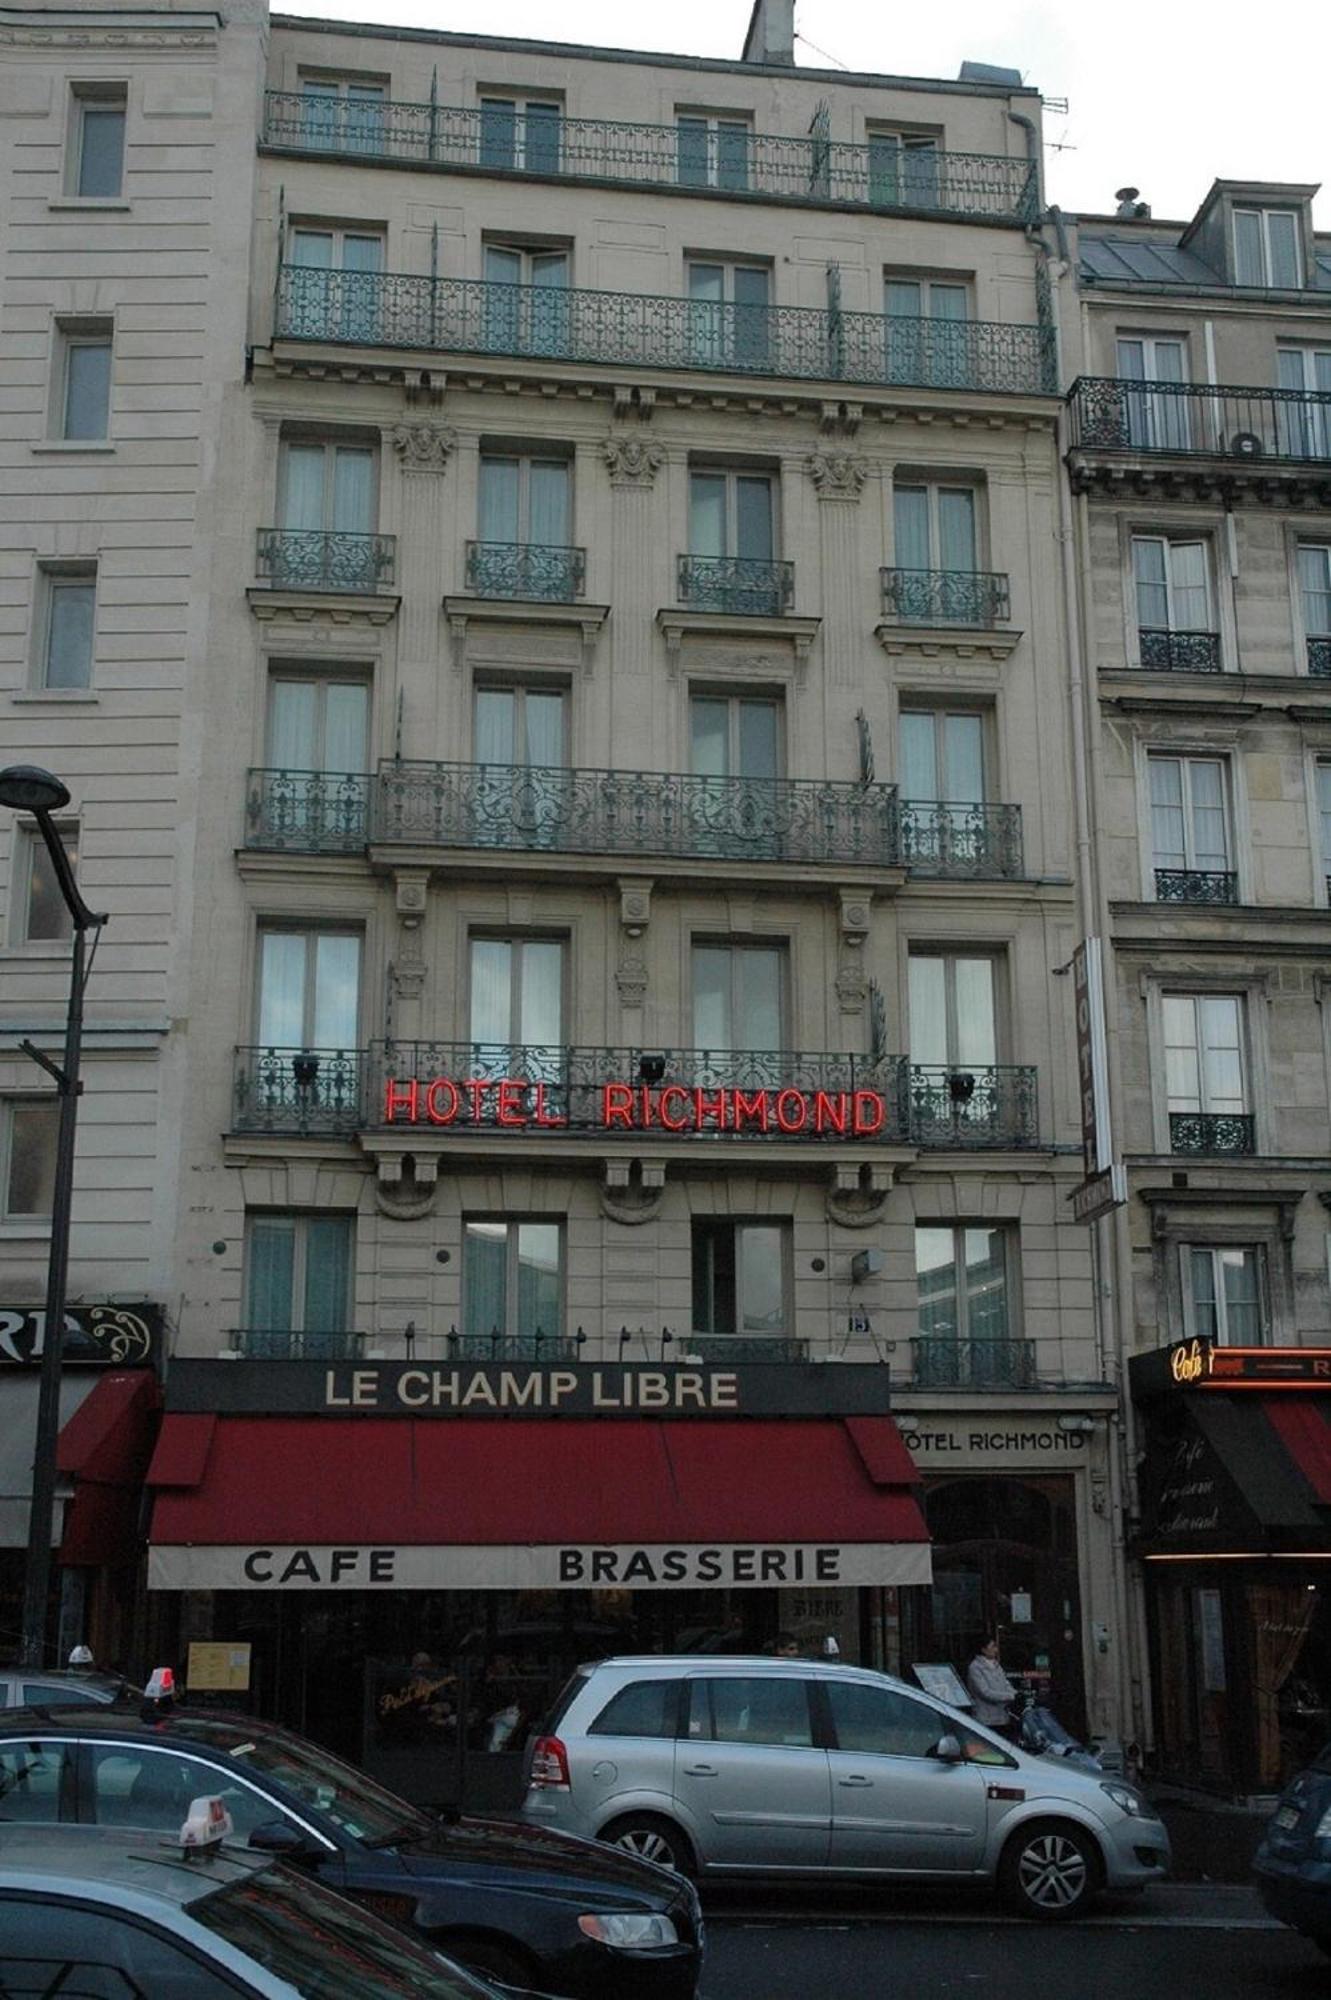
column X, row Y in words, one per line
column 125, row 215
column 1200, row 460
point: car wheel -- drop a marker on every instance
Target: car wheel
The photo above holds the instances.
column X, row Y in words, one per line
column 1050, row 1869
column 652, row 1839
column 492, row 1958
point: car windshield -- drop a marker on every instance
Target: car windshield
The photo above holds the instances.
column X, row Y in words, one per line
column 354, row 1803
column 326, row 1947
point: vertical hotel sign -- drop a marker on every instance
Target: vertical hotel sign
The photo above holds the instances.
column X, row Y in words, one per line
column 1105, row 1185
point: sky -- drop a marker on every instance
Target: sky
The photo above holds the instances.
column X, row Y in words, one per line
column 1163, row 97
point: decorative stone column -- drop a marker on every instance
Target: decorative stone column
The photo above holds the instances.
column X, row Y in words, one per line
column 633, row 462
column 422, row 451
column 838, row 477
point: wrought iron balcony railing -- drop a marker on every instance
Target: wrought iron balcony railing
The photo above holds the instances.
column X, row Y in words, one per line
column 531, row 570
column 990, row 1106
column 309, row 559
column 640, row 330
column 300, row 1091
column 964, row 843
column 535, row 1347
column 308, row 812
column 941, row 1362
column 945, row 597
column 728, row 1350
column 740, row 584
column 1319, row 659
column 1196, row 885
column 1179, row 652
column 1211, row 1132
column 1196, row 420
column 505, row 1090
column 756, row 165
column 263, row 1343
column 530, row 808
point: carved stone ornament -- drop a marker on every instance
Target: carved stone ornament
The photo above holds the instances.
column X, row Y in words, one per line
column 852, row 988
column 631, row 979
column 632, row 461
column 837, row 475
column 406, row 1188
column 423, row 447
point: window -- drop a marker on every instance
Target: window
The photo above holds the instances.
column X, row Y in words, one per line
column 32, row 1776
column 1190, row 836
column 327, row 510
column 729, row 316
column 66, row 616
column 926, row 335
column 953, row 1009
column 1205, row 1072
column 735, row 736
column 935, row 545
column 712, row 151
column 49, row 1943
column 756, row 1709
column 643, row 1708
column 521, row 133
column 1175, row 625
column 1314, row 564
column 961, row 1273
column 526, row 303
column 298, row 1281
column 942, row 782
column 1266, row 248
column 1157, row 421
column 1304, row 427
column 513, row 1280
column 738, row 997
column 732, row 543
column 28, row 1135
column 97, row 142
column 879, row 1722
column 1324, row 816
column 903, row 169
column 525, row 530
column 517, row 997
column 741, row 1278
column 1224, row 1294
column 342, row 114
column 40, row 911
column 520, row 725
column 82, row 407
column 309, row 989
column 317, row 723
column 334, row 291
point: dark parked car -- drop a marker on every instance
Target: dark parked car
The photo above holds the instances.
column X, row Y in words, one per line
column 54, row 1688
column 527, row 1906
column 1293, row 1861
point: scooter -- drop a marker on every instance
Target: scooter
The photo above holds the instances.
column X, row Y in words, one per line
column 1041, row 1734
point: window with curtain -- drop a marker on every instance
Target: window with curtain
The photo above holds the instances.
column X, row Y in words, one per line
column 521, row 134
column 926, row 338
column 329, row 488
column 953, row 1009
column 309, row 989
column 1189, row 815
column 738, row 997
column 97, row 154
column 1304, row 426
column 903, row 169
column 527, row 300
column 1314, row 561
column 67, row 615
column 1175, row 621
column 517, row 1006
column 1224, row 1294
column 961, row 1274
column 935, row 548
column 741, row 1278
column 82, row 405
column 1205, row 1065
column 343, row 303
column 1266, row 248
column 732, row 514
column 525, row 499
column 517, row 724
column 298, row 1273
column 1156, row 421
column 512, row 1279
column 712, row 151
column 1324, row 815
column 40, row 908
column 729, row 313
column 941, row 782
column 29, row 1128
column 317, row 722
column 343, row 114
column 735, row 736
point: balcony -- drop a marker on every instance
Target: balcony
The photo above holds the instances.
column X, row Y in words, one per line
column 989, row 1108
column 532, row 808
column 1196, row 885
column 1219, row 1133
column 310, row 559
column 750, row 166
column 307, row 812
column 298, row 1092
column 1319, row 659
column 642, row 330
column 942, row 1362
column 733, row 1350
column 1257, row 432
column 289, row 1344
column 529, row 570
column 742, row 586
column 945, row 597
column 1179, row 652
column 534, row 1348
column 961, row 843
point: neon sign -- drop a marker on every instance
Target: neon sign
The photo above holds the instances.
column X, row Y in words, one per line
column 634, row 1107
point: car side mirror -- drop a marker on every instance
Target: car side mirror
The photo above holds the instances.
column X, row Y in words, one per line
column 278, row 1836
column 948, row 1750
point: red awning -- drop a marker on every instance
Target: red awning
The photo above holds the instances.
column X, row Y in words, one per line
column 567, row 1483
column 1303, row 1425
column 104, row 1448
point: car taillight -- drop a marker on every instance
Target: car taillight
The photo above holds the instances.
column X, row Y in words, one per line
column 549, row 1764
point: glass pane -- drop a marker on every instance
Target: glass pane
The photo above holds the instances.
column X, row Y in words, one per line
column 540, row 1290
column 986, row 1284
column 282, row 989
column 928, row 1009
column 362, row 253
column 884, row 155
column 336, row 990
column 545, row 728
column 502, row 266
column 707, row 514
column 1131, row 361
column 1148, row 565
column 1290, row 368
column 963, row 759
column 936, row 1279
column 732, row 156
column 919, row 756
column 312, row 249
column 491, row 990
column 759, row 747
column 1203, row 1295
column 550, row 268
column 879, row 1722
column 711, row 996
column 1324, row 809
column 974, row 983
column 1315, row 584
column 752, row 285
column 87, row 389
column 1248, row 260
column 327, row 1303
column 1167, row 360
column 956, row 528
column 1283, row 242
column 303, row 488
column 353, row 491
column 911, row 540
column 709, row 728
column 1239, row 1278
column 496, row 734
column 292, row 725
column 542, row 139
column 761, row 1711
column 753, row 519
column 270, row 1287
column 1210, row 832
column 1187, row 564
column 484, row 1273
column 499, row 134
column 947, row 302
column 1222, row 1062
column 707, row 282
column 758, row 972
column 346, row 718
column 548, row 505
column 33, row 1131
column 691, row 141
column 1168, row 834
column 1182, row 1066
column 69, row 635
column 102, row 150
column 501, row 480
column 903, row 297
column 542, row 994
column 761, row 1280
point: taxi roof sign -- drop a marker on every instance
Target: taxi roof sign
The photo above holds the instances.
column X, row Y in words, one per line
column 207, row 1824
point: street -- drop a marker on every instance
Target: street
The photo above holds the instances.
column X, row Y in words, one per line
column 1193, row 1941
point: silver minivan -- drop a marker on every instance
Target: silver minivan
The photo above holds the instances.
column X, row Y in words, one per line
column 718, row 1766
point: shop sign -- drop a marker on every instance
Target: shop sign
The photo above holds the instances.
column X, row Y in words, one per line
column 514, row 1104
column 641, row 1566
column 932, row 1442
column 1200, row 1364
column 113, row 1336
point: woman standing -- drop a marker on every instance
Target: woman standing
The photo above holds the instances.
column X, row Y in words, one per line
column 990, row 1689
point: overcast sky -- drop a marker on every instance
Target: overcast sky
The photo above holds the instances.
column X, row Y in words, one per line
column 1162, row 96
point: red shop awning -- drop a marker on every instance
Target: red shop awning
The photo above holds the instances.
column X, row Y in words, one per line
column 1303, row 1425
column 480, row 1503
column 105, row 1447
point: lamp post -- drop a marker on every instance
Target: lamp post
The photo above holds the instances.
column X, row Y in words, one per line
column 26, row 788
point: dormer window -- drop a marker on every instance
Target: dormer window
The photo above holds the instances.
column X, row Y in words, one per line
column 1266, row 248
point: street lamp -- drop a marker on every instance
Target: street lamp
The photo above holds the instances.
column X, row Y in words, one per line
column 28, row 789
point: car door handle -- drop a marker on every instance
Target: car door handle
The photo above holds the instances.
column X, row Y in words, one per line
column 700, row 1770
column 854, row 1784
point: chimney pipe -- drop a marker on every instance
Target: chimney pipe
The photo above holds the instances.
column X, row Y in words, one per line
column 771, row 35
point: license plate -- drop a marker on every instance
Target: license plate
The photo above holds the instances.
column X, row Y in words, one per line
column 1287, row 1817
